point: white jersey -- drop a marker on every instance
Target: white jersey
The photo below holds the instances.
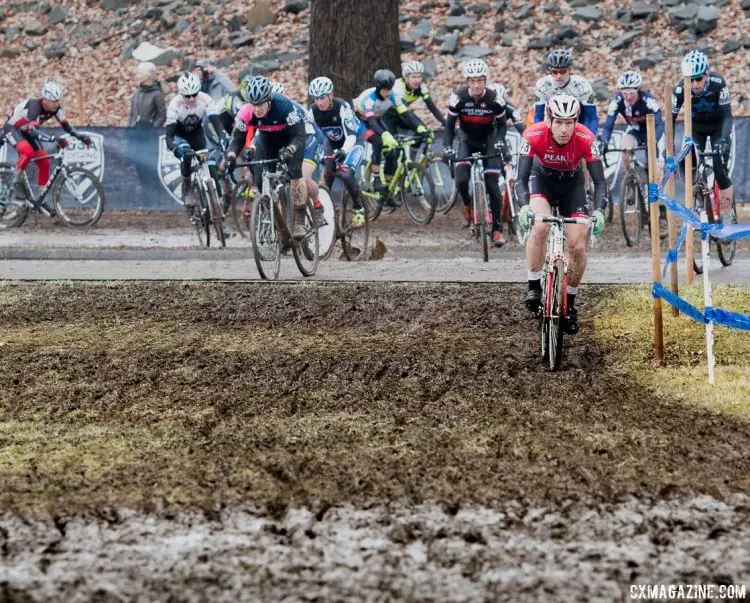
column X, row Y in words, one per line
column 188, row 117
column 577, row 86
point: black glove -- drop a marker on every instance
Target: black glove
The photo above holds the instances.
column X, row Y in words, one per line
column 86, row 140
column 248, row 154
column 449, row 154
column 603, row 146
column 722, row 148
column 231, row 161
column 286, row 154
column 339, row 155
column 502, row 150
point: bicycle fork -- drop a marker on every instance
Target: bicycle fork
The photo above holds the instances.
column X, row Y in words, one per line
column 554, row 253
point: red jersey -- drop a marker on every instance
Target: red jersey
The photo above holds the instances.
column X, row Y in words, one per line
column 537, row 142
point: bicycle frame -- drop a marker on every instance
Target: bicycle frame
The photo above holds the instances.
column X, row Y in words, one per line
column 477, row 176
column 60, row 166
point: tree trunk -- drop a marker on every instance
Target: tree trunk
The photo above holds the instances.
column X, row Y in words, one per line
column 350, row 40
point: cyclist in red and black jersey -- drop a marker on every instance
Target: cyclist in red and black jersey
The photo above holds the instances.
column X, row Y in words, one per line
column 482, row 115
column 21, row 129
column 550, row 173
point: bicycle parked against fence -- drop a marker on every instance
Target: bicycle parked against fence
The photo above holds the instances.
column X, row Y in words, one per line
column 634, row 205
column 77, row 194
column 553, row 309
column 272, row 222
column 411, row 185
column 706, row 197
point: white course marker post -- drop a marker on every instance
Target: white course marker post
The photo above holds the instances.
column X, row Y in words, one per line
column 707, row 303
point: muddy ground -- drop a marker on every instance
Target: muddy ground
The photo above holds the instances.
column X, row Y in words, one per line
column 231, row 442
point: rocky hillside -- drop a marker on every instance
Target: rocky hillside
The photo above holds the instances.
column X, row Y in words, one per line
column 89, row 45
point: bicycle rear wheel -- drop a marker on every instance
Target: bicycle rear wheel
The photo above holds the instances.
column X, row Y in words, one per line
column 553, row 322
column 266, row 241
column 307, row 251
column 726, row 248
column 16, row 210
column 631, row 204
column 369, row 197
column 418, row 194
column 354, row 241
column 480, row 219
column 78, row 197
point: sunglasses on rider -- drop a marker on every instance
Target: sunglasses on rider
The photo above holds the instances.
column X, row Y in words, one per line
column 558, row 71
column 697, row 78
column 190, row 95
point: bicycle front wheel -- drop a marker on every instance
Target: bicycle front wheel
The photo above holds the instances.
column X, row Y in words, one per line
column 240, row 205
column 480, row 219
column 216, row 216
column 444, row 186
column 370, row 198
column 700, row 196
column 307, row 250
column 78, row 197
column 553, row 321
column 354, row 239
column 418, row 194
column 265, row 238
column 13, row 211
column 631, row 204
column 726, row 248
column 326, row 223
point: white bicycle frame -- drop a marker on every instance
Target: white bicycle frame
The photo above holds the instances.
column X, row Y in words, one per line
column 477, row 175
column 206, row 181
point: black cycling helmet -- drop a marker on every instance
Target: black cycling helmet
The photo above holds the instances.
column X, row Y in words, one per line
column 560, row 58
column 384, row 79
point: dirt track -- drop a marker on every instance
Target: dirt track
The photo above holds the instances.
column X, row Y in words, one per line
column 428, row 399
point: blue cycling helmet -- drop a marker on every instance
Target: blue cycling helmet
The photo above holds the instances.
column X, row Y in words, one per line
column 694, row 64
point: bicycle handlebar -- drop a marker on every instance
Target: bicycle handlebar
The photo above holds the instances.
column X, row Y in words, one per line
column 475, row 158
column 241, row 164
column 562, row 220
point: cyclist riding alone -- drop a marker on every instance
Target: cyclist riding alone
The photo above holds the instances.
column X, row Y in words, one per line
column 712, row 118
column 22, row 132
column 344, row 139
column 634, row 104
column 371, row 106
column 280, row 133
column 411, row 88
column 560, row 80
column 550, row 173
column 482, row 116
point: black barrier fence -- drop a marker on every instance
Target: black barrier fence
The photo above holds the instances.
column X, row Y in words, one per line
column 139, row 173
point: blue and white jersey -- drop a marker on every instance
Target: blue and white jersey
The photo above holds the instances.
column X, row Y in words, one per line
column 635, row 115
column 370, row 104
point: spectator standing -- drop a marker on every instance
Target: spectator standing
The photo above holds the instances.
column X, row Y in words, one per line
column 215, row 83
column 147, row 107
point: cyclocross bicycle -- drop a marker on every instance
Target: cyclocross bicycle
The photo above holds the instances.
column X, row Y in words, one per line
column 411, row 185
column 481, row 216
column 271, row 224
column 207, row 211
column 706, row 197
column 553, row 310
column 77, row 194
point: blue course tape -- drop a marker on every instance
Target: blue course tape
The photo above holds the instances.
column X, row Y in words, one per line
column 728, row 319
column 658, row 290
column 727, row 231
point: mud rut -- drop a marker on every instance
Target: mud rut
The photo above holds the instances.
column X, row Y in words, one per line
column 343, row 442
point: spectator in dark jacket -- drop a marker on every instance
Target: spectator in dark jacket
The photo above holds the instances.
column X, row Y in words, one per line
column 147, row 107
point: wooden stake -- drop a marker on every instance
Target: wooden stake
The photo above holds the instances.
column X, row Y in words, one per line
column 655, row 251
column 687, row 109
column 670, row 190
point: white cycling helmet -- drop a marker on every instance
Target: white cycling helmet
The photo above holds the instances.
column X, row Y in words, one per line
column 320, row 87
column 189, row 84
column 563, row 106
column 694, row 64
column 630, row 79
column 277, row 88
column 51, row 91
column 413, row 67
column 476, row 68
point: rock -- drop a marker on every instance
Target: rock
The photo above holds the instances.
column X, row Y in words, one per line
column 481, row 9
column 601, row 91
column 731, row 45
column 459, row 23
column 647, row 62
column 2, row 13
column 684, row 13
column 551, row 8
column 566, row 32
column 34, row 27
column 508, row 39
column 500, row 26
column 288, row 57
column 525, row 12
column 127, row 49
column 539, row 43
column 641, row 10
column 57, row 15
column 209, row 10
column 450, row 44
column 260, row 67
column 241, row 38
column 235, row 23
column 113, row 5
column 168, row 20
column 43, row 8
column 626, row 17
column 260, row 15
column 578, row 3
column 421, row 30
column 295, row 6
column 12, row 32
column 147, row 52
column 406, row 44
column 670, row 3
column 430, row 68
column 746, row 41
column 745, row 5
column 624, row 40
column 456, row 10
column 707, row 19
column 181, row 25
column 589, row 13
column 183, row 11
column 9, row 53
column 56, row 50
column 155, row 12
column 474, row 52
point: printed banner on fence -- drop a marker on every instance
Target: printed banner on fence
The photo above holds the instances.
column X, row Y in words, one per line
column 138, row 171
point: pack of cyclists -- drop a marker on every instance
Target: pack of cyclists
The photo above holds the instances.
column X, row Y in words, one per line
column 562, row 135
